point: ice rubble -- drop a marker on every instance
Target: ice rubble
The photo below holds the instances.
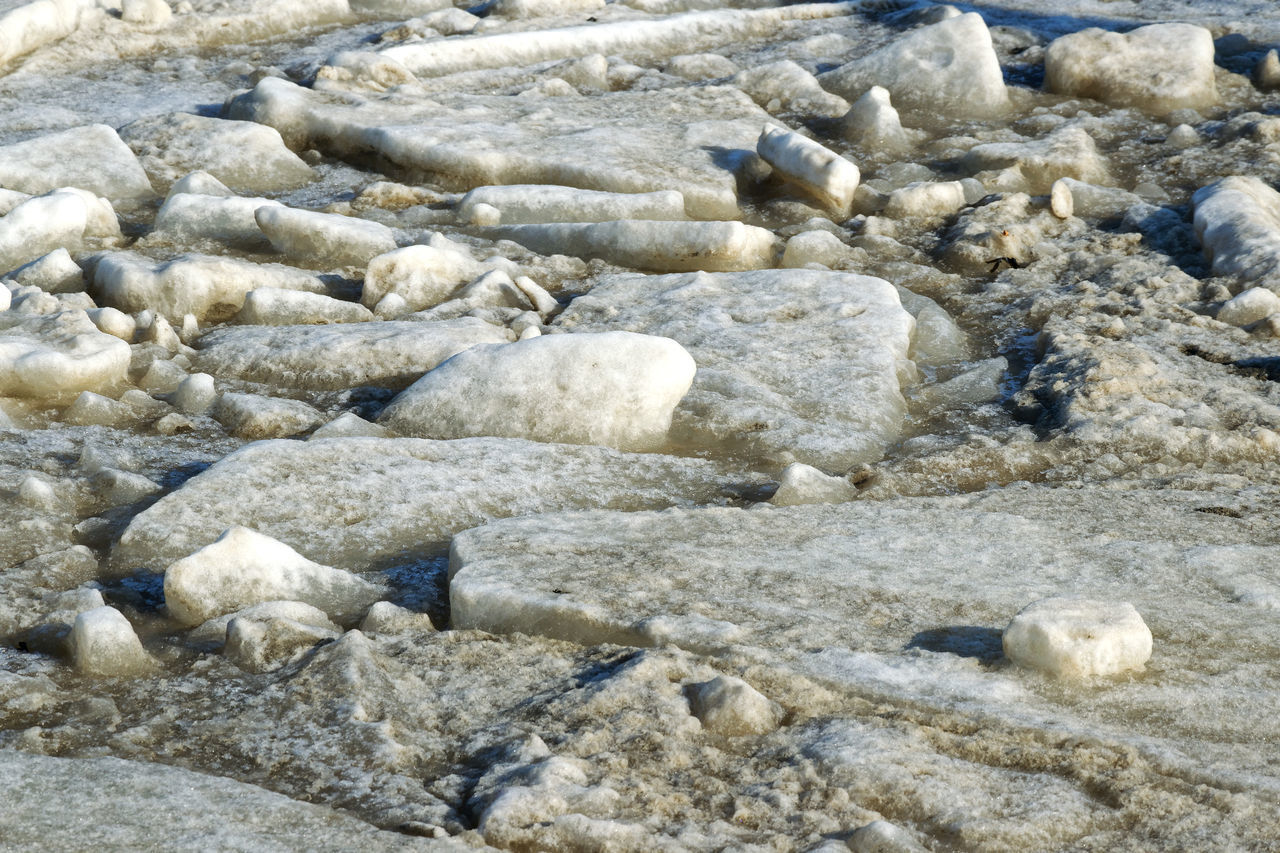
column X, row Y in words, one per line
column 616, row 389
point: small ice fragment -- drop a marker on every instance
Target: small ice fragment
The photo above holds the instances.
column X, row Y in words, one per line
column 730, row 706
column 104, row 643
column 1078, row 637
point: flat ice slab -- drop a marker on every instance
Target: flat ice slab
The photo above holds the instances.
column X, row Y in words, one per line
column 351, row 501
column 393, row 354
column 793, row 365
column 627, row 142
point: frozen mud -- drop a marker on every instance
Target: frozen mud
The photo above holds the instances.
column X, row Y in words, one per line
column 645, row 425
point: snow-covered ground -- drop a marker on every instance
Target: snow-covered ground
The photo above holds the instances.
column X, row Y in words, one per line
column 645, row 425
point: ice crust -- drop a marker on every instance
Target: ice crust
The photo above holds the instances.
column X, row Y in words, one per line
column 764, row 384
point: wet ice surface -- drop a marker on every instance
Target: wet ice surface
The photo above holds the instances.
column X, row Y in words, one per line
column 963, row 349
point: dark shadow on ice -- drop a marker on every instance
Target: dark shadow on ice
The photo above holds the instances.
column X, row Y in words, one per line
column 142, row 592
column 419, row 583
column 966, row 641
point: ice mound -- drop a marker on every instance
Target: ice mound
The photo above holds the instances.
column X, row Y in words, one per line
column 92, row 158
column 652, row 245
column 785, row 85
column 804, row 484
column 730, row 706
column 949, row 67
column 616, row 389
column 1068, row 152
column 352, row 501
column 425, row 275
column 217, row 812
column 243, row 567
column 817, row 247
column 52, row 354
column 323, row 239
column 1070, row 197
column 271, row 306
column 794, row 365
column 533, row 204
column 103, row 643
column 1237, row 220
column 625, row 142
column 1078, row 637
column 263, row 645
column 209, row 288
column 244, row 156
column 1158, row 68
column 192, row 216
column 810, row 166
column 929, row 199
column 214, row 630
column 390, row 354
column 873, row 123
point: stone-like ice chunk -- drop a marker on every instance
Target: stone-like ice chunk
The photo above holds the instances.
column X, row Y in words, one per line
column 926, row 198
column 804, row 484
column 815, row 169
column 354, row 501
column 104, row 643
column 263, row 645
column 324, row 239
column 652, row 245
column 243, row 567
column 392, row 354
column 424, row 275
column 189, row 216
column 40, row 225
column 1078, row 637
column 816, row 247
column 873, row 123
column 56, row 354
column 616, row 389
column 796, row 365
column 1238, row 222
column 55, row 272
column 214, row 630
column 1068, row 152
column 785, row 85
column 209, row 288
column 1158, row 68
column 243, row 155
column 1252, row 305
column 539, row 203
column 949, row 67
column 254, row 416
column 92, row 158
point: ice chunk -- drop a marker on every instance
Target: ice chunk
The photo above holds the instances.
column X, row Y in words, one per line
column 1238, row 222
column 214, row 630
column 195, row 394
column 91, row 408
column 103, row 643
column 540, row 203
column 880, row 836
column 56, row 354
column 873, row 123
column 543, row 8
column 424, row 275
column 387, row 618
column 785, row 85
column 52, row 273
column 41, row 225
column 199, row 182
column 696, row 67
column 616, row 389
column 324, row 239
column 1158, row 68
column 696, row 140
column 949, row 67
column 770, row 347
column 187, row 216
column 1068, row 152
column 1078, row 637
column 146, row 13
column 92, row 158
column 804, row 484
column 730, row 706
column 389, row 354
column 402, row 494
column 254, row 416
column 263, row 645
column 349, row 424
column 245, row 156
column 243, row 567
column 811, row 166
column 113, row 322
column 926, row 199
column 816, row 247
column 668, row 36
column 24, row 27
column 270, row 306
column 652, row 245
column 1252, row 305
column 209, row 288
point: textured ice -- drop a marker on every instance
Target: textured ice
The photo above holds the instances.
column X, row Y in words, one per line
column 271, row 306
column 424, row 275
column 188, row 216
column 391, row 354
column 1069, row 152
column 616, row 389
column 1238, row 222
column 352, row 501
column 92, row 158
column 254, row 416
column 522, row 204
column 1159, row 68
column 323, row 239
column 949, row 67
column 797, row 365
column 52, row 354
column 26, row 26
